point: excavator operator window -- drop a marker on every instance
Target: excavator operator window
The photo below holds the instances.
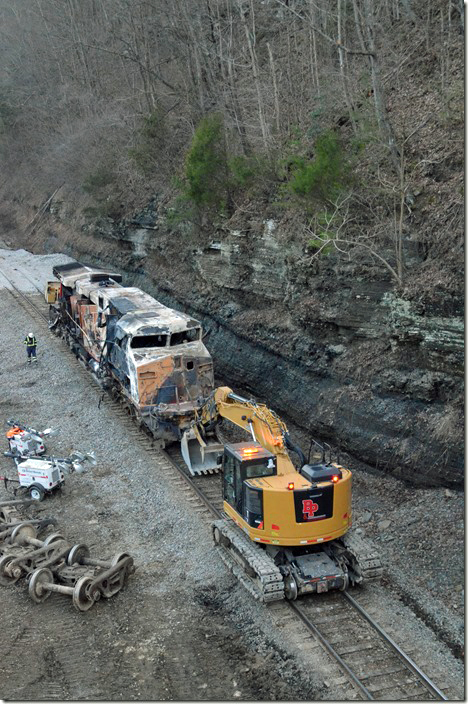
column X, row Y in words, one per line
column 259, row 470
column 228, row 476
column 241, row 463
column 253, row 506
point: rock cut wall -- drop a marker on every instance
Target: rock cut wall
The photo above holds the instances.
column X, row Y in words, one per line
column 332, row 347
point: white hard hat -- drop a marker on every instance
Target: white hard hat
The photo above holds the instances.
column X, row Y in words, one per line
column 30, row 334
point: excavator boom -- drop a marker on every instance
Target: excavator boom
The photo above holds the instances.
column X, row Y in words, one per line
column 201, row 451
column 285, row 531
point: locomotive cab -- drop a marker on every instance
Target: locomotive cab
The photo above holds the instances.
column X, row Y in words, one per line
column 151, row 356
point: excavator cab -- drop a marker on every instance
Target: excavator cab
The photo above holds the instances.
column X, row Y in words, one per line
column 243, row 461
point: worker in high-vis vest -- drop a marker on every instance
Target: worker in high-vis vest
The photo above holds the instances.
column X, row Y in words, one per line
column 31, row 343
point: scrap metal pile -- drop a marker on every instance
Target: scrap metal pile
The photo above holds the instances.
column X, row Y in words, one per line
column 54, row 564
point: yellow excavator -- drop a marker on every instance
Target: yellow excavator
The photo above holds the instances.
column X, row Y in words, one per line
column 287, row 530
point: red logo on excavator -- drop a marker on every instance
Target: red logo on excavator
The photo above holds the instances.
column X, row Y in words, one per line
column 309, row 507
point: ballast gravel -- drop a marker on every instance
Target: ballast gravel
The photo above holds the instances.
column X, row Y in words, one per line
column 183, row 628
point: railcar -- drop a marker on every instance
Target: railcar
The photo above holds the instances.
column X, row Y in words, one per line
column 151, row 356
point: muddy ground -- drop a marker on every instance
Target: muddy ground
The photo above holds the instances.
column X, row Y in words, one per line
column 183, row 629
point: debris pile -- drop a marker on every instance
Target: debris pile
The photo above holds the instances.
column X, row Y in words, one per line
column 53, row 564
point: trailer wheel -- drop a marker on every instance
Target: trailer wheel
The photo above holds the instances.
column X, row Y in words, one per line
column 36, row 492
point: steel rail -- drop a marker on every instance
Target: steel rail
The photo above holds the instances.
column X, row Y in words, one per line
column 404, row 658
column 28, row 300
column 192, row 484
column 396, row 648
column 30, row 280
column 330, row 649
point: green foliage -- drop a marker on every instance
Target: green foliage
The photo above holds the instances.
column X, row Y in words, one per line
column 150, row 143
column 295, row 138
column 318, row 243
column 182, row 210
column 212, row 176
column 206, row 168
column 255, row 176
column 242, row 171
column 323, row 177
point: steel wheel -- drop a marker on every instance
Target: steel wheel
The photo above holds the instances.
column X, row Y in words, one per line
column 216, row 535
column 7, row 577
column 22, row 532
column 37, row 589
column 8, row 514
column 290, row 587
column 53, row 538
column 81, row 599
column 77, row 554
column 118, row 557
column 345, row 582
column 219, row 538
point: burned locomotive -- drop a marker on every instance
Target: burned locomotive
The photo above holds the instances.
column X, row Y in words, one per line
column 151, row 356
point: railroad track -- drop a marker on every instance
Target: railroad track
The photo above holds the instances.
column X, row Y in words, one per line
column 369, row 658
column 370, row 661
column 24, row 301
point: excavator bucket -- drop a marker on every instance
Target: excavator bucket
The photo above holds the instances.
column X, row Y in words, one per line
column 201, row 457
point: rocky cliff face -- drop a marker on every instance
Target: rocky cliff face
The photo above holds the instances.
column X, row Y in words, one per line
column 329, row 345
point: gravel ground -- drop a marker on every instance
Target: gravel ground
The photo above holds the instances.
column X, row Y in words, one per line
column 184, row 629
column 28, row 272
column 420, row 535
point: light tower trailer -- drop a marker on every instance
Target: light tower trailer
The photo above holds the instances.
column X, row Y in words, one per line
column 25, row 441
column 42, row 475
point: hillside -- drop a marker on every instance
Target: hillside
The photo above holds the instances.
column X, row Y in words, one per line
column 289, row 171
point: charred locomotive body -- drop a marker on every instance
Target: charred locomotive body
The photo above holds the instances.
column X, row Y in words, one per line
column 150, row 355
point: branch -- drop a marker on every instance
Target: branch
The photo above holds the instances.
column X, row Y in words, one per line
column 325, row 36
column 423, row 123
column 133, row 56
column 372, row 251
column 357, row 243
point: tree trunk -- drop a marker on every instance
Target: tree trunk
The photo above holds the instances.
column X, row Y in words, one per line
column 385, row 126
column 341, row 58
column 254, row 66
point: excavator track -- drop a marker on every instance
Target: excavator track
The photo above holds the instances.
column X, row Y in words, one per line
column 248, row 562
column 363, row 560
